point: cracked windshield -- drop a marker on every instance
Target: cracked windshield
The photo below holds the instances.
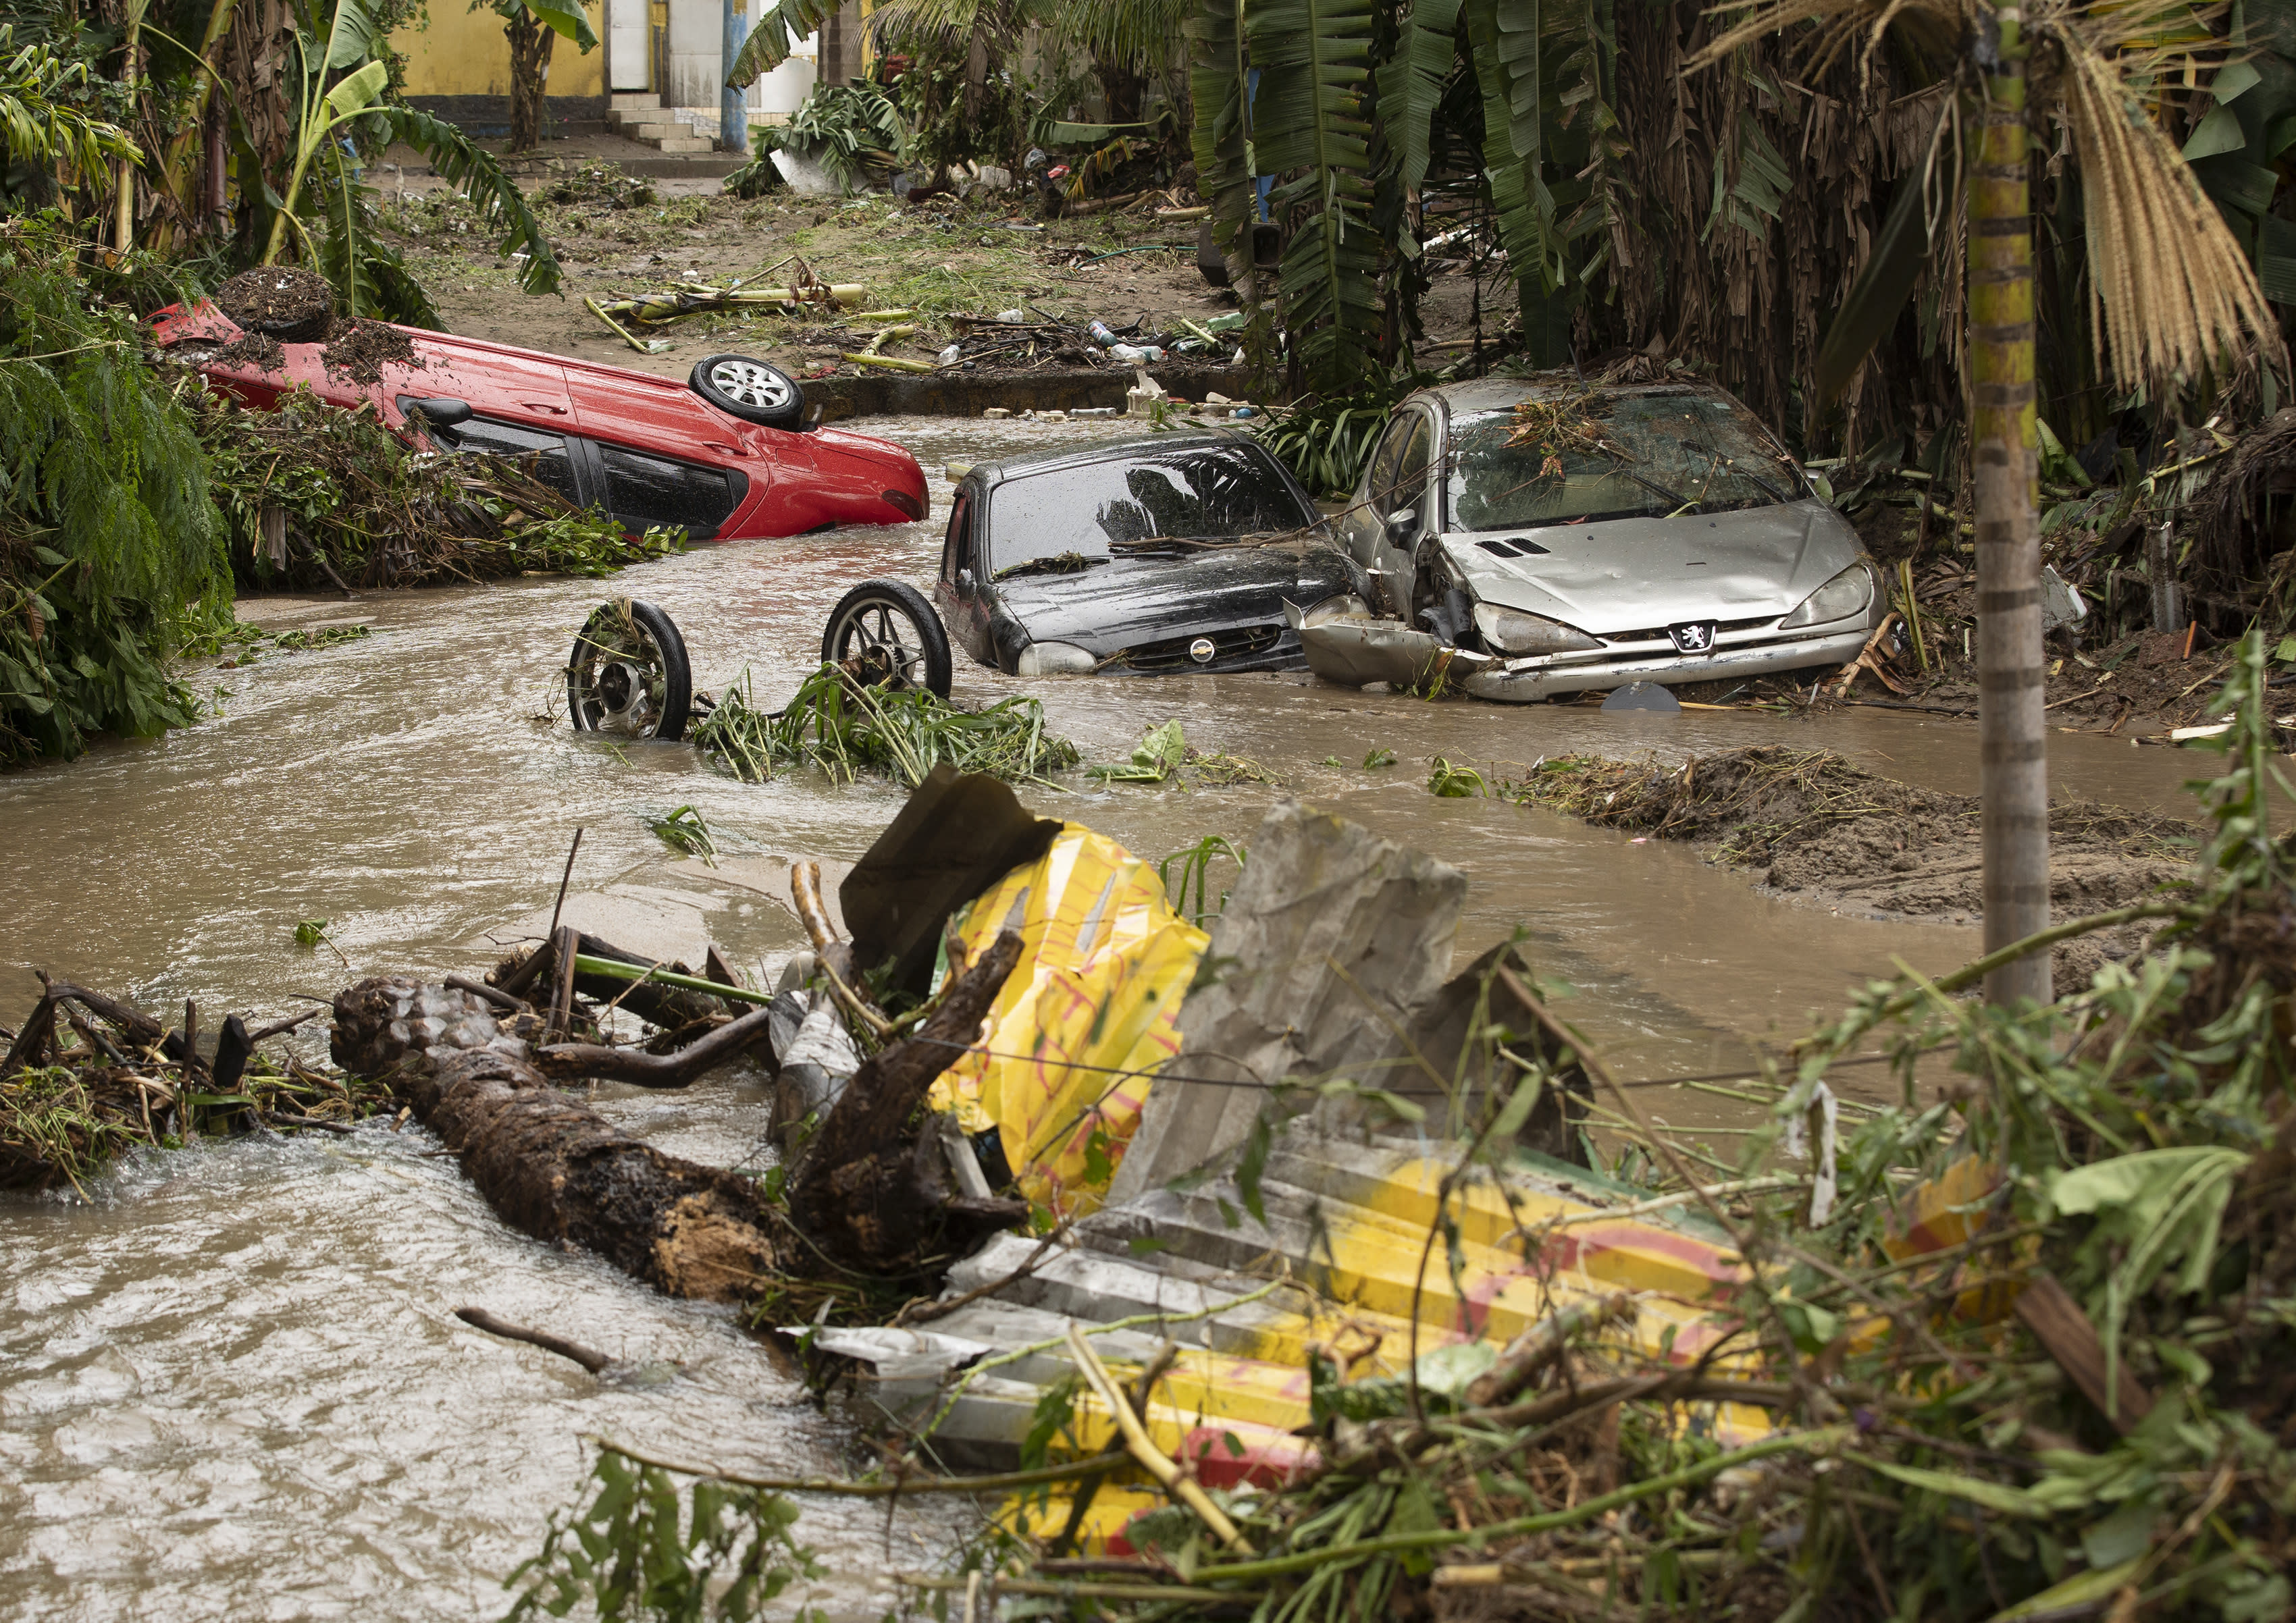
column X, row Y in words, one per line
column 854, row 812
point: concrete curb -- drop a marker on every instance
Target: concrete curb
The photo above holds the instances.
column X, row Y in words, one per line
column 964, row 394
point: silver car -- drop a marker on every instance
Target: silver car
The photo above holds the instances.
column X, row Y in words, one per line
column 1534, row 536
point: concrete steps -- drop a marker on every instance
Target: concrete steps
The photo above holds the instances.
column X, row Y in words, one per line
column 640, row 116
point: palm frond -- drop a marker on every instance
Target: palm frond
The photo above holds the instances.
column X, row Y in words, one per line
column 464, row 165
column 1222, row 151
column 1506, row 69
column 1411, row 84
column 1121, row 30
column 1313, row 57
column 776, row 34
column 37, row 123
column 368, row 273
column 2172, row 291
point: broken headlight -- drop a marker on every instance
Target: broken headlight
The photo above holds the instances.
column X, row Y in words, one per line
column 1512, row 631
column 1053, row 659
column 1847, row 594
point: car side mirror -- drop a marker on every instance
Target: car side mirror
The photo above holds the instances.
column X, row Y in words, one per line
column 964, row 583
column 1402, row 525
column 442, row 413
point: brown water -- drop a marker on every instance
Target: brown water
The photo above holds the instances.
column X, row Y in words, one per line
column 230, row 1384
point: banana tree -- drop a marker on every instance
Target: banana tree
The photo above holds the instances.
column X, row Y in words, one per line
column 334, row 94
column 533, row 27
column 2176, row 296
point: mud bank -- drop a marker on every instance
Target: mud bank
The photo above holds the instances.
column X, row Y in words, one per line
column 1808, row 825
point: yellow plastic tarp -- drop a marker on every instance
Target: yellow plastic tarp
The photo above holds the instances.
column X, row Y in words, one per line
column 1085, row 1019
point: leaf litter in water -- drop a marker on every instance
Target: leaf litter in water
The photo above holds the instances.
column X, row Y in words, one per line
column 846, row 728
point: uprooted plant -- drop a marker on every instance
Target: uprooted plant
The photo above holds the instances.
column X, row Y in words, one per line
column 845, row 727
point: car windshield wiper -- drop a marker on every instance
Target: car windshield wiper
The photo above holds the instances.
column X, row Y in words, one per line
column 1679, row 502
column 1057, row 563
column 1695, row 449
column 1776, row 494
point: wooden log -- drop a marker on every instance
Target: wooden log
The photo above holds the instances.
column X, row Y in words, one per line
column 568, row 1061
column 31, row 1043
column 478, row 1318
column 670, row 1007
column 867, row 1193
column 552, row 1167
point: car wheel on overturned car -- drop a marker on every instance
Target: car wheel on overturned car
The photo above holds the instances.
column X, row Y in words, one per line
column 628, row 675
column 754, row 390
column 889, row 636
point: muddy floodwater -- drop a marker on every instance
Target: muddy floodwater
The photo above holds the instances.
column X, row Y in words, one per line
column 230, row 1382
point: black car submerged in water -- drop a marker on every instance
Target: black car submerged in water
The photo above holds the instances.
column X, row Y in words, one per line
column 1170, row 552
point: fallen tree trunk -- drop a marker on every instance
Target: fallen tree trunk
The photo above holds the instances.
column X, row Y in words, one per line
column 869, row 1196
column 549, row 1164
column 869, row 1192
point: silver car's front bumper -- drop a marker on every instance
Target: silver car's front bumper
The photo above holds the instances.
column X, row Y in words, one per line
column 1354, row 650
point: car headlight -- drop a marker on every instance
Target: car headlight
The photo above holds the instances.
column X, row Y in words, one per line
column 1344, row 606
column 1512, row 631
column 1053, row 659
column 1847, row 594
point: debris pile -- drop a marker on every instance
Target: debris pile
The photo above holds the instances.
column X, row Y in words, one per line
column 2020, row 1352
column 1811, row 825
column 89, row 1076
column 316, row 494
column 846, row 726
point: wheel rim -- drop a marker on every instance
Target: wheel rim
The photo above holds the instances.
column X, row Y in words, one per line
column 881, row 645
column 621, row 682
column 748, row 383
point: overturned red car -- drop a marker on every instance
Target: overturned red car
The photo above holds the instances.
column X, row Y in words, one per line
column 726, row 454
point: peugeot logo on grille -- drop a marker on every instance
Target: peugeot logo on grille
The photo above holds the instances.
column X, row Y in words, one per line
column 1201, row 650
column 1692, row 636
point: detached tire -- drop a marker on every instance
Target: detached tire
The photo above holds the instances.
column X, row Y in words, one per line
column 754, row 390
column 629, row 675
column 888, row 635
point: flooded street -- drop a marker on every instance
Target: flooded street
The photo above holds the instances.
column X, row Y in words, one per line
column 231, row 1385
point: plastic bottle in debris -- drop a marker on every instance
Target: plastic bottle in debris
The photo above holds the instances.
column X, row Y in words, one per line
column 1132, row 354
column 950, row 356
column 1101, row 334
column 1012, row 318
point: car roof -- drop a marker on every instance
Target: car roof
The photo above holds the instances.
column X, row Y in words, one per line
column 1502, row 394
column 1040, row 462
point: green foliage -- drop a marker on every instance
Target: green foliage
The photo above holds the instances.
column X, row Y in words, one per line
column 1158, row 755
column 776, row 34
column 686, row 832
column 1449, row 781
column 1327, row 443
column 568, row 21
column 356, row 497
column 645, row 1550
column 109, row 549
column 320, row 208
column 310, row 933
column 468, row 166
column 43, row 118
column 854, row 131
column 1194, row 865
column 846, row 728
column 1313, row 57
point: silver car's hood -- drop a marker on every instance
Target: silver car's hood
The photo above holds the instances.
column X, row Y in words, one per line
column 1632, row 574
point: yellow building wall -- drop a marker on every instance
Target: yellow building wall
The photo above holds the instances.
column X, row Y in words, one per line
column 463, row 53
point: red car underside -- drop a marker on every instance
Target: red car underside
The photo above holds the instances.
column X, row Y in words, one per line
column 648, row 449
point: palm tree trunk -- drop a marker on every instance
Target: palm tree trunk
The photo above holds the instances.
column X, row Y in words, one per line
column 2013, row 766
